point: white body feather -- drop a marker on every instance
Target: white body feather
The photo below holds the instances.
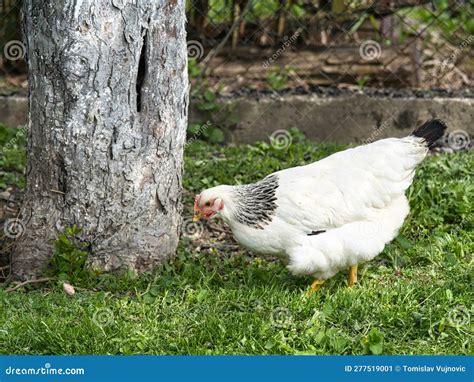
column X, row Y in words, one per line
column 356, row 196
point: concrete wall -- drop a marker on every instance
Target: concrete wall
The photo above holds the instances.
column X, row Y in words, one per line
column 13, row 110
column 343, row 118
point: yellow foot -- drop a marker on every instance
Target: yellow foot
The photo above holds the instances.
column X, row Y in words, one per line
column 316, row 284
column 352, row 279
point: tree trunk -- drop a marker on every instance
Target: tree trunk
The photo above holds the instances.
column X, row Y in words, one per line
column 107, row 123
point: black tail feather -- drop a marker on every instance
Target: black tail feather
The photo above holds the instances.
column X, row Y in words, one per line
column 431, row 131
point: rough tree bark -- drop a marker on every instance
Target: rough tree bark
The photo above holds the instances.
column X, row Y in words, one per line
column 107, row 120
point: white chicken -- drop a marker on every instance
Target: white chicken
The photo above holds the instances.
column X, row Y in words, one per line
column 330, row 215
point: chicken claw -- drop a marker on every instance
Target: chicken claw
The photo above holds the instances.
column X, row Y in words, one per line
column 352, row 279
column 315, row 285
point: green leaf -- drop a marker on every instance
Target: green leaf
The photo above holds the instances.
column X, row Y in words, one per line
column 373, row 342
column 209, row 95
column 327, row 310
column 208, row 106
column 404, row 242
column 148, row 298
column 338, row 343
column 376, row 349
column 155, row 290
column 193, row 128
column 320, row 337
column 270, row 344
column 216, row 135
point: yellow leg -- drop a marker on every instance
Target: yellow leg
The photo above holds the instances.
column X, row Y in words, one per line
column 315, row 285
column 352, row 279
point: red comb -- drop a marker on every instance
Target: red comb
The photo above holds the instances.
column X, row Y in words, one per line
column 196, row 202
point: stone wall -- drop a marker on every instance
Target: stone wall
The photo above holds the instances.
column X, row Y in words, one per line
column 343, row 117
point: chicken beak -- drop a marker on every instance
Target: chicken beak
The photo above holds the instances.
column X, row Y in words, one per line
column 197, row 211
column 197, row 216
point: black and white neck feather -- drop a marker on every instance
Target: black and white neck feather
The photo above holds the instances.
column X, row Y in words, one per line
column 256, row 202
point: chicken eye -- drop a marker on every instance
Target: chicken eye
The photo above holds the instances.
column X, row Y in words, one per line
column 208, row 204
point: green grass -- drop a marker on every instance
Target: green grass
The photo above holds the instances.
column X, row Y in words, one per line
column 12, row 157
column 415, row 298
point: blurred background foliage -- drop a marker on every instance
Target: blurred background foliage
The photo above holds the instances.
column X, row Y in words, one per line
column 417, row 38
